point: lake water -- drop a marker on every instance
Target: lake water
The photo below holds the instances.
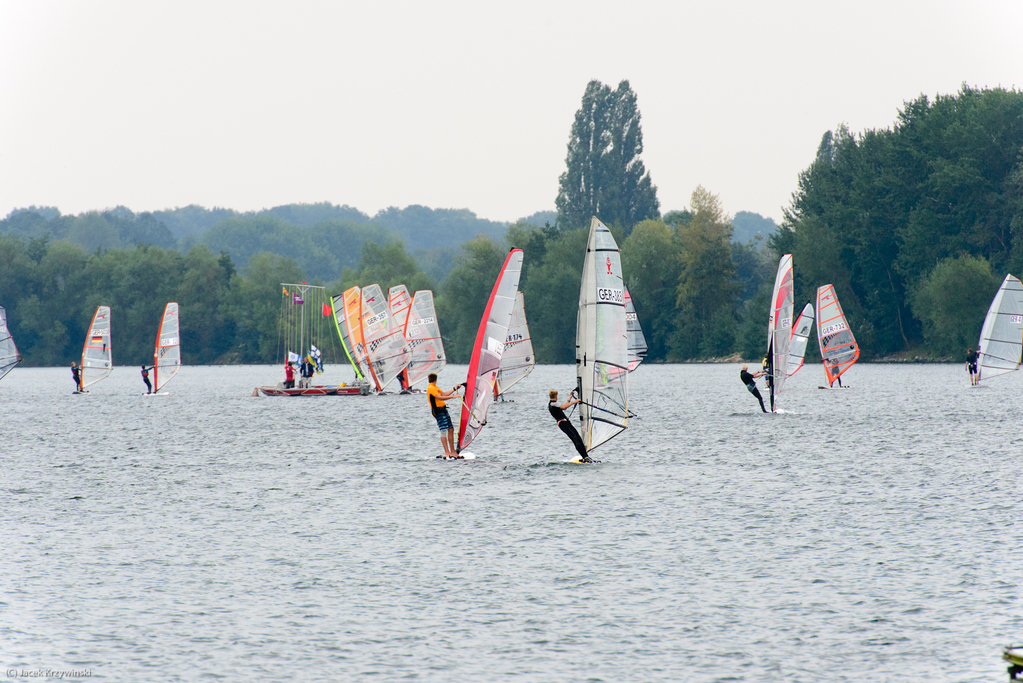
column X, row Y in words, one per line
column 866, row 534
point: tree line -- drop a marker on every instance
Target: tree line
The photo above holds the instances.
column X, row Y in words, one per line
column 914, row 225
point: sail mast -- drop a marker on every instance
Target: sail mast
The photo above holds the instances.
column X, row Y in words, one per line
column 488, row 350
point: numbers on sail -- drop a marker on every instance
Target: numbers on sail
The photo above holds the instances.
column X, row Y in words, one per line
column 610, row 295
column 833, row 328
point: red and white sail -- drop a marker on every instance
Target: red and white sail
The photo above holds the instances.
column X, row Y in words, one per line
column 167, row 356
column 518, row 359
column 779, row 327
column 488, row 350
column 97, row 355
column 386, row 349
column 423, row 336
column 839, row 349
column 399, row 302
column 9, row 356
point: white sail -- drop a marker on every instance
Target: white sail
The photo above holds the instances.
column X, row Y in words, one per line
column 8, row 351
column 97, row 357
column 800, row 335
column 1001, row 337
column 423, row 336
column 779, row 327
column 518, row 360
column 838, row 346
column 637, row 342
column 167, row 356
column 399, row 302
column 602, row 341
column 386, row 349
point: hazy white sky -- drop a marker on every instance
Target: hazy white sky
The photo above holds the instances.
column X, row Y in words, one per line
column 455, row 104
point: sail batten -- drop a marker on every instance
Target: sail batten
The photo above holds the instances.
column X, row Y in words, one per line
column 1001, row 337
column 602, row 341
column 167, row 356
column 518, row 360
column 97, row 355
column 9, row 356
column 488, row 349
column 838, row 346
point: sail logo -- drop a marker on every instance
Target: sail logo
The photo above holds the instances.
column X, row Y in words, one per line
column 1016, row 319
column 610, row 295
column 496, row 347
column 785, row 322
column 832, row 329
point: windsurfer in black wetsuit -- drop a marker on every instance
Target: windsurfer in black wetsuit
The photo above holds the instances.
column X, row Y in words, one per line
column 145, row 378
column 750, row 380
column 971, row 365
column 558, row 413
column 76, row 374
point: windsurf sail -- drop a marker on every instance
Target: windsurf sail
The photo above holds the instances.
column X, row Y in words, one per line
column 347, row 309
column 518, row 360
column 637, row 342
column 386, row 349
column 839, row 349
column 800, row 335
column 9, row 356
column 167, row 357
column 97, row 359
column 488, row 350
column 423, row 336
column 779, row 328
column 1001, row 337
column 399, row 301
column 602, row 341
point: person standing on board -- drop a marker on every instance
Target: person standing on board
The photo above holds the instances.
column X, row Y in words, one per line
column 971, row 365
column 440, row 412
column 289, row 376
column 145, row 378
column 77, row 376
column 558, row 413
column 750, row 380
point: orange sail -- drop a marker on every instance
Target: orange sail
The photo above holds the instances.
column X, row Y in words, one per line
column 839, row 349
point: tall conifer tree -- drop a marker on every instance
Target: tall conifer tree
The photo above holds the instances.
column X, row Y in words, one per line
column 605, row 176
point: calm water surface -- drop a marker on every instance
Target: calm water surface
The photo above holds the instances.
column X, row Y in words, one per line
column 867, row 534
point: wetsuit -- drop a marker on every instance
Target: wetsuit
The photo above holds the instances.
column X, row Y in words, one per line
column 751, row 384
column 971, row 361
column 563, row 423
column 77, row 376
column 145, row 378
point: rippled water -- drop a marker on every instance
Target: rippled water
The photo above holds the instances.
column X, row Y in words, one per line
column 866, row 534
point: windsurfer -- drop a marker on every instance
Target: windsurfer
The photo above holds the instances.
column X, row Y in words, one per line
column 834, row 369
column 77, row 376
column 558, row 413
column 971, row 365
column 145, row 378
column 439, row 409
column 750, row 380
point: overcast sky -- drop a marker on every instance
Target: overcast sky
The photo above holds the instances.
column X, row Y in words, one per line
column 448, row 104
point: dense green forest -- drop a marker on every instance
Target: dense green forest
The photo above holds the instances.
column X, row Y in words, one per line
column 914, row 225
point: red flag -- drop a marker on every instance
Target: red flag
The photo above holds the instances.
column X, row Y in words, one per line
column 326, row 309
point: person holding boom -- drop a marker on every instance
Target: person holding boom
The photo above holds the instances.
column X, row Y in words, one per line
column 440, row 411
column 558, row 413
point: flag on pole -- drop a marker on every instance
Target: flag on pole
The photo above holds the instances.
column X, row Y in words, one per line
column 285, row 291
column 293, row 357
column 326, row 310
column 316, row 357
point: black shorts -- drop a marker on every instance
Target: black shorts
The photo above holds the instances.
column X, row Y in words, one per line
column 443, row 419
column 973, row 368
